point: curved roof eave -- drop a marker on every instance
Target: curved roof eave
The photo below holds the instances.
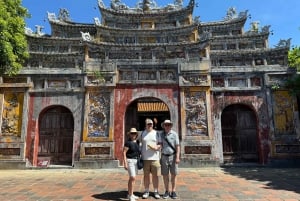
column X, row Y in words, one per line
column 191, row 26
column 67, row 23
column 243, row 36
column 46, row 37
column 242, row 19
column 248, row 51
column 202, row 43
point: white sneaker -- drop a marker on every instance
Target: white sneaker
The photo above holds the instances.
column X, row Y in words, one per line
column 145, row 195
column 156, row 195
column 133, row 196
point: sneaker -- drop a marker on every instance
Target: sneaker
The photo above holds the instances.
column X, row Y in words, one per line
column 156, row 195
column 133, row 196
column 166, row 195
column 173, row 195
column 145, row 195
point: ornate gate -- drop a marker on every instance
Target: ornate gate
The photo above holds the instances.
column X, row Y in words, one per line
column 56, row 127
column 239, row 134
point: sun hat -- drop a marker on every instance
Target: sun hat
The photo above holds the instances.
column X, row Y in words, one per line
column 167, row 121
column 133, row 130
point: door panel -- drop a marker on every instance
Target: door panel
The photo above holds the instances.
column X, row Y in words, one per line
column 239, row 134
column 56, row 135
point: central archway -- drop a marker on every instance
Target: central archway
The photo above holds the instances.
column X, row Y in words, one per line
column 143, row 108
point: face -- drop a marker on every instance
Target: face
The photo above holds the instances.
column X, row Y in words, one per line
column 133, row 135
column 149, row 126
column 167, row 127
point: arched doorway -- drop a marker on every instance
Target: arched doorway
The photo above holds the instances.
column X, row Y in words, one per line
column 239, row 134
column 56, row 128
column 142, row 108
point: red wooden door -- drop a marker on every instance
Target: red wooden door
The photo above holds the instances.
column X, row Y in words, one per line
column 239, row 134
column 56, row 135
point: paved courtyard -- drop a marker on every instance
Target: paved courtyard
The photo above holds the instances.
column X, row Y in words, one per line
column 203, row 184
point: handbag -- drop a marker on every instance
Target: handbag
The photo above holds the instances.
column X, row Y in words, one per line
column 140, row 162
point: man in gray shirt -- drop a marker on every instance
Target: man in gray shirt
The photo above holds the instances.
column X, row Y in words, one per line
column 170, row 158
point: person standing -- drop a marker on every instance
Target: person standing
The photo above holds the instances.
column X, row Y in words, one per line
column 131, row 152
column 151, row 144
column 170, row 158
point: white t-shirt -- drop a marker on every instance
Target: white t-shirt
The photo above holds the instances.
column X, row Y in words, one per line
column 150, row 138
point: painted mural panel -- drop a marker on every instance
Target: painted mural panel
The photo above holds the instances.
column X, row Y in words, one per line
column 283, row 113
column 98, row 117
column 196, row 113
column 12, row 114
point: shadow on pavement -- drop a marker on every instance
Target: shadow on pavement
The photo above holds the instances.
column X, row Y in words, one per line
column 274, row 178
column 116, row 196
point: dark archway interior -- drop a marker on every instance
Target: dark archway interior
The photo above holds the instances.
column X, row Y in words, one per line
column 143, row 108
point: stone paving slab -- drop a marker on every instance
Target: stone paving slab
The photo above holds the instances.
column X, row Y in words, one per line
column 202, row 184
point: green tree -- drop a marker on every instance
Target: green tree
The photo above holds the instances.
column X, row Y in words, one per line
column 294, row 58
column 13, row 43
column 293, row 84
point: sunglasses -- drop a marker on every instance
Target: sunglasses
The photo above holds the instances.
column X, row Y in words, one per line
column 149, row 124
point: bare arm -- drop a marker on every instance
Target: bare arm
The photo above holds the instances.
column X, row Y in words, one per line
column 177, row 153
column 125, row 149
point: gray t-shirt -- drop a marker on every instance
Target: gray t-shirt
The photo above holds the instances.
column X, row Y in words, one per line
column 173, row 138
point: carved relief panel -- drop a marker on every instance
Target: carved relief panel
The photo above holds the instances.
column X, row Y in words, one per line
column 98, row 116
column 196, row 113
column 283, row 113
column 12, row 114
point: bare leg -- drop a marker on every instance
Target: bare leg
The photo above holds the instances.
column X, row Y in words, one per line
column 173, row 182
column 166, row 182
column 155, row 182
column 146, row 181
column 131, row 182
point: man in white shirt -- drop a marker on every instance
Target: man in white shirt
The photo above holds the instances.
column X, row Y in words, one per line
column 151, row 144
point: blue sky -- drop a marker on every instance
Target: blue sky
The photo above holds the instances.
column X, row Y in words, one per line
column 282, row 15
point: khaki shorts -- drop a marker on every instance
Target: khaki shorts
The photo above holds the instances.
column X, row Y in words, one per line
column 152, row 166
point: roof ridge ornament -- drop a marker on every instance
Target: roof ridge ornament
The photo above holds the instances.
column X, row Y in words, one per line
column 101, row 4
column 86, row 36
column 284, row 43
column 52, row 17
column 231, row 13
column 118, row 5
column 64, row 15
column 144, row 6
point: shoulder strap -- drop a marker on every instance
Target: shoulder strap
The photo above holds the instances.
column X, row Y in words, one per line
column 169, row 143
